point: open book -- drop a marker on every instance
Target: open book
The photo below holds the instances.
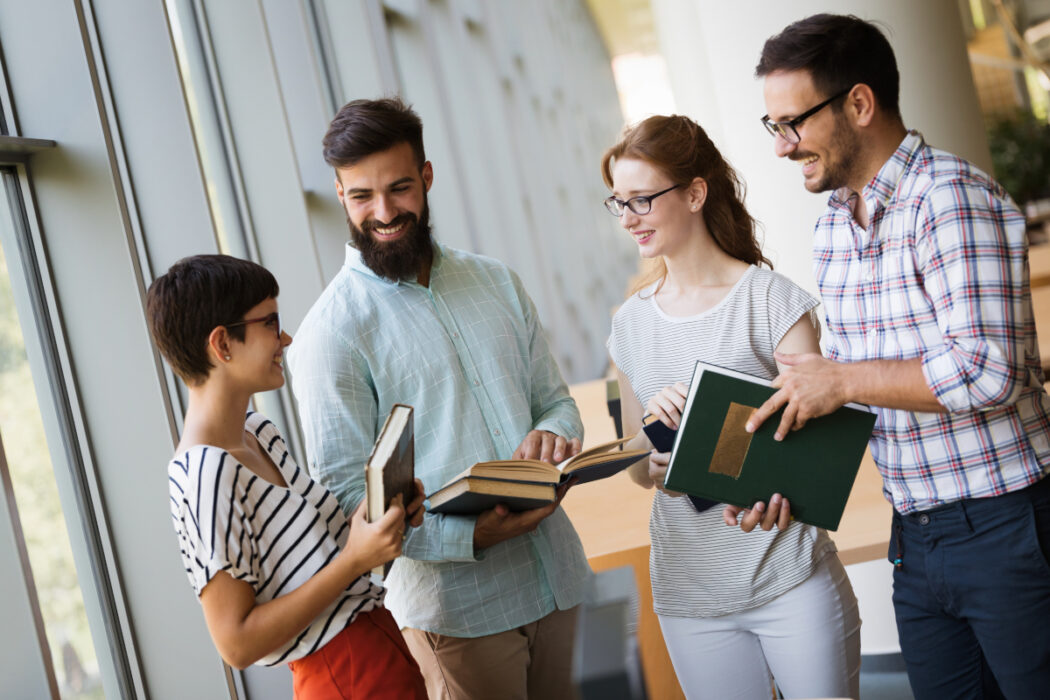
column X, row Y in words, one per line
column 523, row 484
column 390, row 468
column 714, row 457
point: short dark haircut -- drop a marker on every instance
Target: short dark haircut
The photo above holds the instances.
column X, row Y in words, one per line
column 364, row 127
column 199, row 293
column 838, row 51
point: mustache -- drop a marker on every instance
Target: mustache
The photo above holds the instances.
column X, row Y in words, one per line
column 372, row 224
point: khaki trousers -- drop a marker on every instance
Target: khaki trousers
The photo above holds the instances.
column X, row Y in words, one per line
column 531, row 662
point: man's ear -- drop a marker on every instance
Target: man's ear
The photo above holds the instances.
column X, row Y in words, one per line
column 338, row 188
column 219, row 344
column 697, row 193
column 428, row 176
column 860, row 105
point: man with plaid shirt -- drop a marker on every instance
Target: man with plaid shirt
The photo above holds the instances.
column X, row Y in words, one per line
column 922, row 263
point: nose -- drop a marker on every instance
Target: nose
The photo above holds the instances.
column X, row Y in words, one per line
column 782, row 147
column 286, row 339
column 384, row 210
column 628, row 218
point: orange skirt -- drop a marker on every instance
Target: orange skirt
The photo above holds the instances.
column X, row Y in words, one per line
column 368, row 659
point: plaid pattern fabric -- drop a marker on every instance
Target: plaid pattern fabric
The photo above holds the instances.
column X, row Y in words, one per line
column 469, row 354
column 941, row 273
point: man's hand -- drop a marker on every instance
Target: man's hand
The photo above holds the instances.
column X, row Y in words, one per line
column 809, row 386
column 414, row 510
column 546, row 446
column 778, row 513
column 658, row 472
column 494, row 526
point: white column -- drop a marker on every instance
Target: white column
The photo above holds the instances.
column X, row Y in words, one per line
column 712, row 48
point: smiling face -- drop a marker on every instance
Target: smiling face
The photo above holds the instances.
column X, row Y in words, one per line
column 385, row 199
column 668, row 224
column 829, row 147
column 259, row 359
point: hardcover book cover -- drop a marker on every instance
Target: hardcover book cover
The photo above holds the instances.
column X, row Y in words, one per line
column 390, row 468
column 714, row 457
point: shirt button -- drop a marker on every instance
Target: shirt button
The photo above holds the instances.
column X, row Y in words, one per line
column 477, row 383
column 495, row 432
column 924, row 519
column 455, row 335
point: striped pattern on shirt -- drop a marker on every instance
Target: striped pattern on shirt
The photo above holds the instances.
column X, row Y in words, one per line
column 941, row 273
column 274, row 538
column 699, row 567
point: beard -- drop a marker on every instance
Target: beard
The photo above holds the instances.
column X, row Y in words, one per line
column 399, row 259
column 841, row 159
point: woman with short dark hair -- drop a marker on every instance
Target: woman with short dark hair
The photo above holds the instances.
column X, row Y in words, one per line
column 281, row 573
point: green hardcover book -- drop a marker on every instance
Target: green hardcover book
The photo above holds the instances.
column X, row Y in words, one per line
column 714, row 457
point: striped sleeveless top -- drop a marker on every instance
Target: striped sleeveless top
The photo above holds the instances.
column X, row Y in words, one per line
column 274, row 538
column 699, row 566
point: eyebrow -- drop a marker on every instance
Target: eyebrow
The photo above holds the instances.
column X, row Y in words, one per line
column 395, row 183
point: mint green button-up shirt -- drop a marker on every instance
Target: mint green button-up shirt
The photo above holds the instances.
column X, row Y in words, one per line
column 469, row 355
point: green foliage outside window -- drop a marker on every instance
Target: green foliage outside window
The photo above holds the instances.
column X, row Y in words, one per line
column 1020, row 146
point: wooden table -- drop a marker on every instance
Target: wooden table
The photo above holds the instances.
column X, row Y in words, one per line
column 612, row 518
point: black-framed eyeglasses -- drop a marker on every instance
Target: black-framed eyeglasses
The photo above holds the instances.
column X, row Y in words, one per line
column 640, row 205
column 788, row 130
column 271, row 321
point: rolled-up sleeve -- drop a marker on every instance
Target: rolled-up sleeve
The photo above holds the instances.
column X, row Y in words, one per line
column 971, row 245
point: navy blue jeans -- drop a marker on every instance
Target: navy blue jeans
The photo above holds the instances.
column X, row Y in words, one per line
column 972, row 596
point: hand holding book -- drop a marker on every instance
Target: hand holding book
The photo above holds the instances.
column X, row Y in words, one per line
column 776, row 514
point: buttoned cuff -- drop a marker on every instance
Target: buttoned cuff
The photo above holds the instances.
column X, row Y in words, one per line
column 560, row 427
column 457, row 538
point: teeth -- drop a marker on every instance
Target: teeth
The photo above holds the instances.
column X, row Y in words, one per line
column 807, row 161
column 387, row 231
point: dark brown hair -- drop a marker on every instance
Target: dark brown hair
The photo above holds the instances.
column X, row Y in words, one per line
column 678, row 147
column 364, row 127
column 195, row 296
column 838, row 51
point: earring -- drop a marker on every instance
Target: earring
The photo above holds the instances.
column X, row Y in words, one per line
column 227, row 357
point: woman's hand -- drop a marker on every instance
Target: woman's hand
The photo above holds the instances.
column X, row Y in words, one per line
column 667, row 405
column 777, row 514
column 374, row 544
column 658, row 472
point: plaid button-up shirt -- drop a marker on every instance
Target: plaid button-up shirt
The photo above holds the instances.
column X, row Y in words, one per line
column 941, row 273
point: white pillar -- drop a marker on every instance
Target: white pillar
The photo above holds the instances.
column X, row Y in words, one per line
column 712, row 48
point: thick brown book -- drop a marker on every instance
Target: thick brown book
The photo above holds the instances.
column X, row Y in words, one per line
column 390, row 468
column 523, row 484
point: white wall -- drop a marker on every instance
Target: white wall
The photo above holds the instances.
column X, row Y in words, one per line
column 712, row 48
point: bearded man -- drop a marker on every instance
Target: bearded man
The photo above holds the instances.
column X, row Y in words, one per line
column 487, row 603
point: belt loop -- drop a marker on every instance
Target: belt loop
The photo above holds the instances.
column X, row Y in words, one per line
column 965, row 513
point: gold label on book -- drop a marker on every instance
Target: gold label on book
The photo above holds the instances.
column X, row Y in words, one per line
column 733, row 442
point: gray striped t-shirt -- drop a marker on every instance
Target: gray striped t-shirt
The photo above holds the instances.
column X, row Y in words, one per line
column 699, row 566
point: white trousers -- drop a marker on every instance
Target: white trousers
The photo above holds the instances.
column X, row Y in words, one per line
column 808, row 638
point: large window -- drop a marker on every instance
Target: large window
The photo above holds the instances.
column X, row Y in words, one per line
column 49, row 572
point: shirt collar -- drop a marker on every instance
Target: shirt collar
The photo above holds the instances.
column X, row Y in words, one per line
column 353, row 261
column 881, row 187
